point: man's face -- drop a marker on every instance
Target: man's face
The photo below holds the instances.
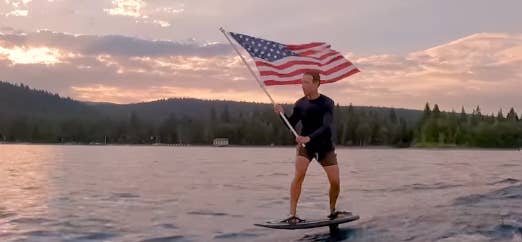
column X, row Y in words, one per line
column 308, row 85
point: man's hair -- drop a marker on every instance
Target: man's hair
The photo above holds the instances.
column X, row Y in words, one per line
column 316, row 78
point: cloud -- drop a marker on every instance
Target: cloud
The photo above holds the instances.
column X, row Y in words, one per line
column 20, row 55
column 481, row 69
column 142, row 12
column 113, row 44
column 19, row 8
column 126, row 8
column 17, row 12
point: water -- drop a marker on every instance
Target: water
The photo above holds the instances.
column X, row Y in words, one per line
column 148, row 193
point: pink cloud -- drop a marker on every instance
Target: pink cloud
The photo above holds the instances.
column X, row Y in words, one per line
column 481, row 69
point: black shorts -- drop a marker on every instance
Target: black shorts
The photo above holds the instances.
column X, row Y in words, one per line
column 325, row 158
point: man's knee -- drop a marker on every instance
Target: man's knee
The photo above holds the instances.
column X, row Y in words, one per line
column 301, row 166
column 299, row 177
column 335, row 184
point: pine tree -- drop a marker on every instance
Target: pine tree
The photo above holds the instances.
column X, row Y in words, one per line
column 463, row 117
column 427, row 111
column 512, row 115
column 500, row 116
column 436, row 111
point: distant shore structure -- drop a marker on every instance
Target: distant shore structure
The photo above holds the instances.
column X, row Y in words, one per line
column 220, row 142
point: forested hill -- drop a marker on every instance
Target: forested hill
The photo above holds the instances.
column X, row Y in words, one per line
column 33, row 115
column 20, row 99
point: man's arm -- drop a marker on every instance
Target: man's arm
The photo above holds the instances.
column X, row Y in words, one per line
column 293, row 119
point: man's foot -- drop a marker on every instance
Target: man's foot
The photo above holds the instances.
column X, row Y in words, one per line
column 339, row 214
column 293, row 220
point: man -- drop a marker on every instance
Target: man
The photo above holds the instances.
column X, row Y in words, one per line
column 315, row 111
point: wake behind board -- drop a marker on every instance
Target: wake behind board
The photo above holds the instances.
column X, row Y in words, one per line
column 308, row 224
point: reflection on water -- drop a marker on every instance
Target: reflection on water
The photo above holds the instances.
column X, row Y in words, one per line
column 25, row 186
column 143, row 193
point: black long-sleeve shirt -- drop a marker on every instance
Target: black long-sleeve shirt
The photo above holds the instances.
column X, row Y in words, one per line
column 316, row 117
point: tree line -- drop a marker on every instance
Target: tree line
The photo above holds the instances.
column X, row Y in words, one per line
column 438, row 128
column 52, row 119
column 263, row 127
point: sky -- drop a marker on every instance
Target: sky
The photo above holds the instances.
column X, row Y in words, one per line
column 463, row 53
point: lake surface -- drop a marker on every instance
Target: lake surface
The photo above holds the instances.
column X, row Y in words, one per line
column 165, row 193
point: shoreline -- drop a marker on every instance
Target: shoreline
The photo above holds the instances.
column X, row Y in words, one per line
column 368, row 147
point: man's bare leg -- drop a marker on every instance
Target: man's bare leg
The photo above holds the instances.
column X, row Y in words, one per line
column 335, row 185
column 301, row 165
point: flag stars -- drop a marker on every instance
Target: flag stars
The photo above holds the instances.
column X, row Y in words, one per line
column 264, row 49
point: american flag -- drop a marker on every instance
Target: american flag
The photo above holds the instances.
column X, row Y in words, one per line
column 282, row 64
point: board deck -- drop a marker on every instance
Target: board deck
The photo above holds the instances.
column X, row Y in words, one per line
column 314, row 223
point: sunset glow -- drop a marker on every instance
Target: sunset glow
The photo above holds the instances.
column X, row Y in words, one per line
column 128, row 51
column 38, row 55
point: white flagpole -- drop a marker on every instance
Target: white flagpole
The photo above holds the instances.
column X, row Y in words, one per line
column 258, row 81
